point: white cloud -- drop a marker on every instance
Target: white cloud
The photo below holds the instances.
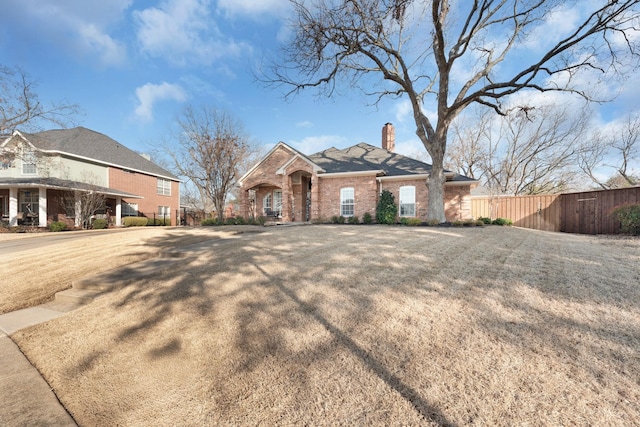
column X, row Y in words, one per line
column 109, row 50
column 150, row 93
column 304, row 124
column 183, row 32
column 79, row 26
column 253, row 8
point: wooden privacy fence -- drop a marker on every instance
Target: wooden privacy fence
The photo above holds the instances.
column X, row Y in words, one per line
column 586, row 212
column 537, row 212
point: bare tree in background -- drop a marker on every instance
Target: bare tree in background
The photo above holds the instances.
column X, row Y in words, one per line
column 615, row 150
column 525, row 152
column 84, row 203
column 20, row 105
column 212, row 147
column 448, row 55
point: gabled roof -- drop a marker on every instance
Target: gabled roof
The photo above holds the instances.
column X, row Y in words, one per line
column 364, row 157
column 295, row 153
column 93, row 146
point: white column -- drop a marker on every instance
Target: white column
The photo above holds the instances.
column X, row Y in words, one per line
column 42, row 207
column 118, row 211
column 77, row 207
column 13, row 207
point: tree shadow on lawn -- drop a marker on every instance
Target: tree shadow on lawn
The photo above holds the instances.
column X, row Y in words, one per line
column 187, row 283
column 427, row 410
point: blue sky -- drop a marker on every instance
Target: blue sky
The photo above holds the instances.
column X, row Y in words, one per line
column 132, row 66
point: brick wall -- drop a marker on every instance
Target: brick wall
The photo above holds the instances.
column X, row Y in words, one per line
column 145, row 186
column 457, row 202
column 365, row 195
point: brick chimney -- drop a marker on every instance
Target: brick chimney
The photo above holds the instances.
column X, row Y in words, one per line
column 388, row 137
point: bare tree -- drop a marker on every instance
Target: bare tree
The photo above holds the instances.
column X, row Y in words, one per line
column 83, row 203
column 527, row 151
column 615, row 150
column 20, row 105
column 432, row 53
column 211, row 148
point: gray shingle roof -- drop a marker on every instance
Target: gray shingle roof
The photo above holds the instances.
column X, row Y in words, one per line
column 364, row 157
column 90, row 144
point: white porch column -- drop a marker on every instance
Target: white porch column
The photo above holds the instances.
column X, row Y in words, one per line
column 77, row 207
column 13, row 207
column 118, row 211
column 42, row 207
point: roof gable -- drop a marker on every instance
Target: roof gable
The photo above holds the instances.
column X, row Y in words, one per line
column 295, row 154
column 94, row 146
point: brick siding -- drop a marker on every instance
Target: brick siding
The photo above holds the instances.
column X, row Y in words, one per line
column 145, row 186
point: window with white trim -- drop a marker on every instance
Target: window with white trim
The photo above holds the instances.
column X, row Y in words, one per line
column 347, row 202
column 129, row 209
column 408, row 201
column 277, row 201
column 164, row 187
column 164, row 212
column 29, row 163
column 266, row 203
column 28, row 202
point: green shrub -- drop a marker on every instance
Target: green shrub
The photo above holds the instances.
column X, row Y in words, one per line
column 411, row 222
column 210, row 222
column 480, row 223
column 457, row 223
column 262, row 220
column 629, row 217
column 502, row 221
column 152, row 222
column 367, row 218
column 354, row 220
column 469, row 223
column 134, row 221
column 230, row 221
column 433, row 222
column 319, row 220
column 485, row 220
column 386, row 210
column 338, row 219
column 58, row 226
column 99, row 224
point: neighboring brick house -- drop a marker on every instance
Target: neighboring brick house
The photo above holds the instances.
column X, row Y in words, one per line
column 295, row 187
column 38, row 172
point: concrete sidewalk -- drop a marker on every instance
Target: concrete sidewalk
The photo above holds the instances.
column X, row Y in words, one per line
column 25, row 398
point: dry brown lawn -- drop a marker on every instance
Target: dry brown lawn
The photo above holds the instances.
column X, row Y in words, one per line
column 33, row 277
column 360, row 325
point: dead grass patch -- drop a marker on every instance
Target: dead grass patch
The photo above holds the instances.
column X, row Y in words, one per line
column 343, row 325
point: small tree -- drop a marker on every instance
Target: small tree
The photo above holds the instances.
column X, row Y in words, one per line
column 387, row 209
column 83, row 205
column 212, row 147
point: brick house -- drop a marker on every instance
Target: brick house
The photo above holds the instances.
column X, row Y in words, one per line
column 293, row 186
column 40, row 173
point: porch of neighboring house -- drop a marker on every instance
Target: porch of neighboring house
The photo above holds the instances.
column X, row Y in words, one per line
column 39, row 206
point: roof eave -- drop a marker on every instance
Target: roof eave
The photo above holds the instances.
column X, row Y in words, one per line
column 348, row 174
